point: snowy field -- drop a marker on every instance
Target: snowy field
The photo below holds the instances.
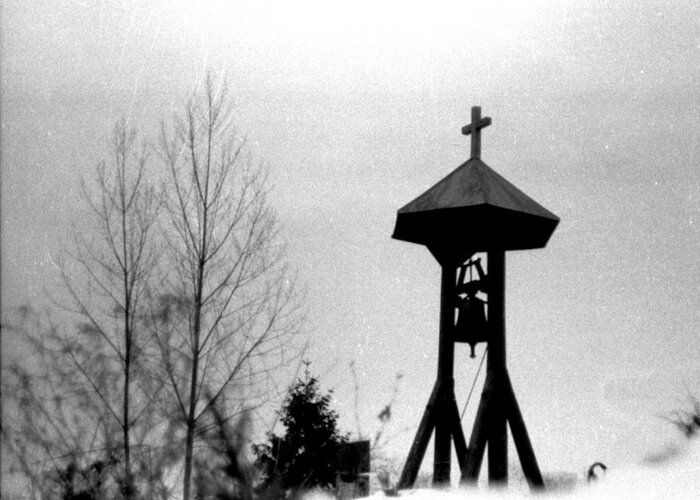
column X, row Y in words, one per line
column 676, row 476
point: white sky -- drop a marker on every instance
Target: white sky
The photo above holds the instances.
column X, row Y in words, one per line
column 358, row 110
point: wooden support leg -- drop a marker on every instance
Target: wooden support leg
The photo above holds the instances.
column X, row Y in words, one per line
column 446, row 353
column 442, row 466
column 522, row 440
column 420, row 443
column 498, row 435
column 496, row 368
column 477, row 442
column 458, row 435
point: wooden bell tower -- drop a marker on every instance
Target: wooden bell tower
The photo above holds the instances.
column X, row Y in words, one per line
column 472, row 210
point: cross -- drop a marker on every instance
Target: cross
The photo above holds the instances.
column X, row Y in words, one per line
column 474, row 128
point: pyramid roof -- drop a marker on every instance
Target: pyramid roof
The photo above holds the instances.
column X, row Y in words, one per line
column 474, row 209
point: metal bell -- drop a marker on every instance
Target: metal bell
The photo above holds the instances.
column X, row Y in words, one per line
column 471, row 327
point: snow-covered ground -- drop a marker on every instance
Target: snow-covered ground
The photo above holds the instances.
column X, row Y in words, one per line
column 673, row 475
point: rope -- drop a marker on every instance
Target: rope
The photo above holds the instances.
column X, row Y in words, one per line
column 481, row 363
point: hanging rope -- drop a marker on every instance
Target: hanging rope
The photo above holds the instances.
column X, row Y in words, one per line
column 481, row 363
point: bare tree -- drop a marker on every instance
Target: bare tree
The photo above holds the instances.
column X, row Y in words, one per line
column 50, row 442
column 230, row 306
column 687, row 421
column 59, row 440
column 107, row 284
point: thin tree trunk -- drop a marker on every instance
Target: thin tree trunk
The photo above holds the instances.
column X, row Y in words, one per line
column 126, row 424
column 128, row 487
column 191, row 414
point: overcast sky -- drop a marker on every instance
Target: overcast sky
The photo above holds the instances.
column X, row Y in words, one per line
column 358, row 110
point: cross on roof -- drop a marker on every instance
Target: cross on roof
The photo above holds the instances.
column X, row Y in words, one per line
column 474, row 128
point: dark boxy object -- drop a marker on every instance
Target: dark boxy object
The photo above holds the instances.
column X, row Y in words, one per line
column 354, row 460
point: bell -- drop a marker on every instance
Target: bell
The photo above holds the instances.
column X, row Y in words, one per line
column 471, row 327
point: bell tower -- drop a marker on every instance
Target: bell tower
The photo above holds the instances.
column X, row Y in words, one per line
column 473, row 209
